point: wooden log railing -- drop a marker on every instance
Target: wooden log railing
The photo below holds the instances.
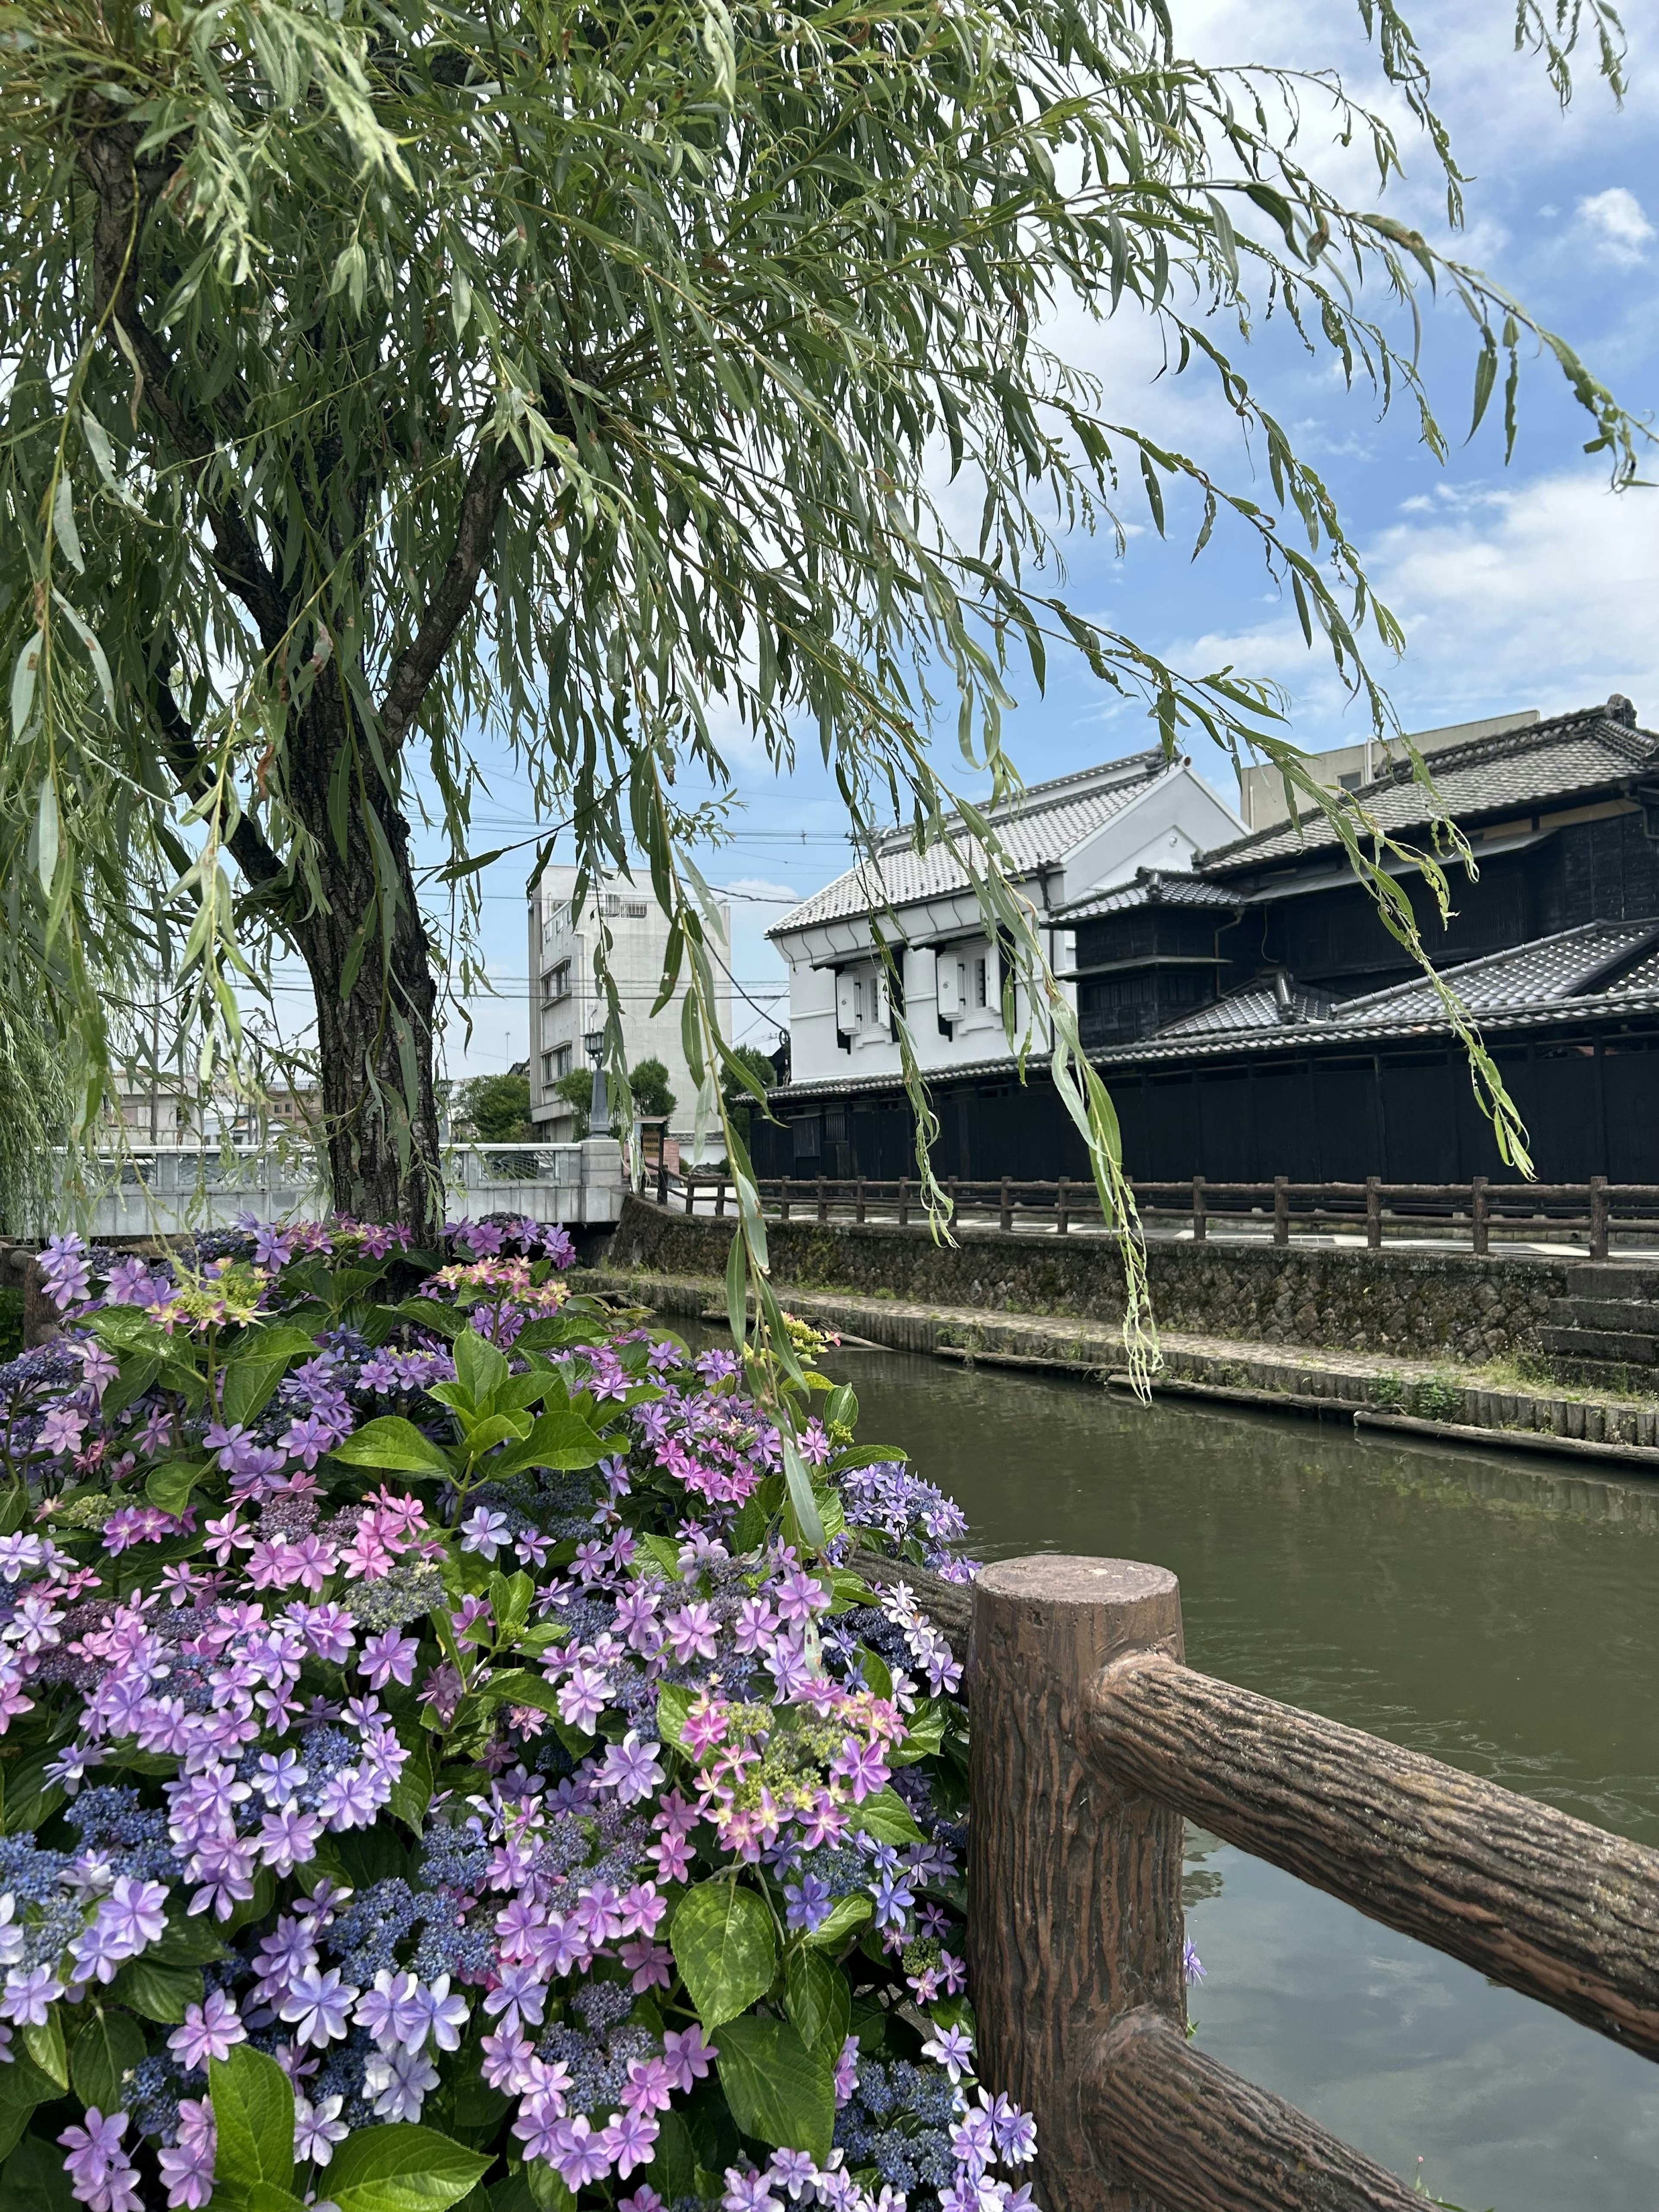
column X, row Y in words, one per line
column 1281, row 1207
column 1090, row 1742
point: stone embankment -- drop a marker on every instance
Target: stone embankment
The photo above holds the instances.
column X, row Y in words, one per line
column 1332, row 1343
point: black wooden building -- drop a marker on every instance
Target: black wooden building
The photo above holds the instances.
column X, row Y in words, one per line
column 1255, row 1018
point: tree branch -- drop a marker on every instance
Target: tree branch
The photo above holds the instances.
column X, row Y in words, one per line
column 127, row 191
column 188, row 764
column 416, row 666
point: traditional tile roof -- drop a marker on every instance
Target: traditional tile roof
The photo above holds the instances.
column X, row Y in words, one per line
column 1600, row 970
column 1151, row 887
column 1038, row 828
column 1592, row 748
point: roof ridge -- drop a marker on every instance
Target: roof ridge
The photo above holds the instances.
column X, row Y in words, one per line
column 1638, row 745
column 1054, row 791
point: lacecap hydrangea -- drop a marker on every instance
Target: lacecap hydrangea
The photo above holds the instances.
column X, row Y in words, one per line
column 443, row 1749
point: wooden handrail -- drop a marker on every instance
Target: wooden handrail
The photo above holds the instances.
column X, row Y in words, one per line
column 1534, row 1899
column 1089, row 1743
column 1197, row 2136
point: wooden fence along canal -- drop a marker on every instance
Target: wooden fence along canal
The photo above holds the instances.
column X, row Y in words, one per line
column 1092, row 1742
column 1596, row 1208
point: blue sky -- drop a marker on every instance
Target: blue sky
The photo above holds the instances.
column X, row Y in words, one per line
column 1530, row 586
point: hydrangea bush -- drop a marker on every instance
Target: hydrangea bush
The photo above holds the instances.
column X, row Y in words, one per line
column 436, row 1767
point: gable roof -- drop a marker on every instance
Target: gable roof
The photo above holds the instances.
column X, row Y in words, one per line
column 1593, row 748
column 1038, row 827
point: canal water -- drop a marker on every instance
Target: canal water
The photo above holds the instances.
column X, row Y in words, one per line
column 1499, row 1615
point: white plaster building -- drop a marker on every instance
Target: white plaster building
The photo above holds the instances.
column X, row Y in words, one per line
column 565, row 1001
column 1064, row 839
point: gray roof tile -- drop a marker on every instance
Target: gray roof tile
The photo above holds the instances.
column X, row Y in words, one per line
column 1038, row 828
column 1151, row 887
column 1586, row 750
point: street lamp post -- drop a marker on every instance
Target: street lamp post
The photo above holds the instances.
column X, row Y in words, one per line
column 597, row 1122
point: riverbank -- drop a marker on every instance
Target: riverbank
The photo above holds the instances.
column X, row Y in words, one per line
column 1375, row 1389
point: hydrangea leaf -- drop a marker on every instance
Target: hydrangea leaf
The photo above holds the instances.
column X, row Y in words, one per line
column 33, row 2179
column 108, row 2045
column 847, row 1915
column 818, row 2002
column 169, row 1486
column 253, row 2118
column 44, row 2042
column 674, row 1702
column 393, row 1443
column 548, row 2190
column 724, row 1948
column 778, row 2090
column 158, row 1992
column 886, row 1817
column 479, row 1366
column 401, row 2169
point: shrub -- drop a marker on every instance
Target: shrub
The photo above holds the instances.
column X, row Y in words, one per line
column 435, row 1766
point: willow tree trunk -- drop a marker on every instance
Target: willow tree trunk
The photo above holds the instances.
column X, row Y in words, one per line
column 372, row 970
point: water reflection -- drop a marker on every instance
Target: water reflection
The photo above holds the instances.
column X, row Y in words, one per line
column 1494, row 1613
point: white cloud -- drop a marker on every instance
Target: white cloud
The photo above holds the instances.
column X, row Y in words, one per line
column 1539, row 595
column 1617, row 225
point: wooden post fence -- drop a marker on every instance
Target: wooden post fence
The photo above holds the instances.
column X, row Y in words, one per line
column 1090, row 1742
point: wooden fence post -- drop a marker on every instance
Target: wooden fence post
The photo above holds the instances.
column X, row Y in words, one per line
column 1200, row 1219
column 1478, row 1215
column 1598, row 1217
column 1062, row 1215
column 720, row 1198
column 1373, row 1213
column 904, row 1203
column 783, row 1198
column 690, row 1191
column 1281, row 1210
column 824, row 1203
column 1074, row 1886
column 1006, row 1221
column 662, row 1181
column 858, row 1203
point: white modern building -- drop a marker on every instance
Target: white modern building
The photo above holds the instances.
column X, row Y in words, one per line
column 1065, row 839
column 566, row 1003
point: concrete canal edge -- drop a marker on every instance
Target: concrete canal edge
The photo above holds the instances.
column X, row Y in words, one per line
column 1412, row 1397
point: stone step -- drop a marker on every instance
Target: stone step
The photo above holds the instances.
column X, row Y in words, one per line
column 1629, row 1347
column 1613, row 1279
column 1639, row 1316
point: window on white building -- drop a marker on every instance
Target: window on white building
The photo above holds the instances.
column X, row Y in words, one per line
column 547, row 1071
column 980, row 966
column 563, row 1057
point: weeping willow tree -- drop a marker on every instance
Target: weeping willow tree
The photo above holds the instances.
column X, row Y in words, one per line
column 385, row 380
column 34, row 1119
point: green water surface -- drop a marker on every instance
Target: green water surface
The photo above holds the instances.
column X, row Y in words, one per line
column 1493, row 1613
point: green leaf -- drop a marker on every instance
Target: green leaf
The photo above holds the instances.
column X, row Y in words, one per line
column 251, row 1376
column 411, row 1793
column 807, row 1523
column 846, row 1916
column 548, row 2190
column 674, row 1702
column 158, row 1992
column 33, row 2179
column 479, row 1366
column 23, row 2086
column 818, row 2002
column 517, row 1686
column 779, row 2091
column 190, row 1939
column 253, row 2116
column 30, row 1798
column 674, row 2166
column 885, row 1816
column 169, row 1486
column 110, row 2045
column 402, row 2169
column 724, row 1948
column 392, row 1442
column 661, row 1553
column 45, row 2045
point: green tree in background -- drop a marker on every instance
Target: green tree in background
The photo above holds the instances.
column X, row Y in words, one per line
column 33, row 1118
column 649, row 1084
column 576, row 1089
column 384, row 380
column 497, row 1109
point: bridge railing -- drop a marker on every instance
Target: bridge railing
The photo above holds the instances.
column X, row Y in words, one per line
column 1091, row 1743
column 1592, row 1211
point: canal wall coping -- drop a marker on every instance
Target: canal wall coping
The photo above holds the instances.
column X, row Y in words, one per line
column 1376, row 1389
column 1399, row 1302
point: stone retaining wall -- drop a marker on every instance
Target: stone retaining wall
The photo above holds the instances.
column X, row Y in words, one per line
column 1401, row 1301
